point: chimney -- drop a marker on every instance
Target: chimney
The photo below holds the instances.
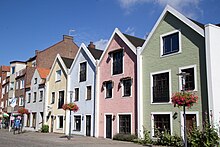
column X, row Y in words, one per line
column 66, row 37
column 36, row 52
column 91, row 45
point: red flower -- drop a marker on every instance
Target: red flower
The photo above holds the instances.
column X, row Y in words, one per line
column 184, row 98
column 70, row 106
column 23, row 111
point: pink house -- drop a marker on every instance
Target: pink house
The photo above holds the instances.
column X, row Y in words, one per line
column 117, row 86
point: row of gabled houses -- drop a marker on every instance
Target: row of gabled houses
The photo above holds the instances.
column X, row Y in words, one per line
column 125, row 88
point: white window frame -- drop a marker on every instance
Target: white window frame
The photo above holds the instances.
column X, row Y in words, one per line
column 161, row 43
column 130, row 113
column 59, row 98
column 182, row 119
column 87, row 91
column 195, row 76
column 21, row 99
column 58, row 122
column 22, row 84
column 58, row 76
column 17, row 84
column 122, row 85
column 123, row 68
column 75, row 94
column 152, row 122
column 105, row 89
column 74, row 123
column 41, row 99
column 84, row 61
column 151, row 85
column 52, row 97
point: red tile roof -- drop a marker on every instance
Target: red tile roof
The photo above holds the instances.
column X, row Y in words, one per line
column 43, row 72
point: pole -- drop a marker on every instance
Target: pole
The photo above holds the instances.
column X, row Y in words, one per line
column 69, row 127
column 184, row 115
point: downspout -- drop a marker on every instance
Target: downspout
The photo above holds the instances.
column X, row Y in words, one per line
column 139, row 106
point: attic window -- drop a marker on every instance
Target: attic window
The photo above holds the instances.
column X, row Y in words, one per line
column 58, row 75
column 117, row 61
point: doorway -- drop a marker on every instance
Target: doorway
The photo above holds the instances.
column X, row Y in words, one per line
column 88, row 125
column 108, row 126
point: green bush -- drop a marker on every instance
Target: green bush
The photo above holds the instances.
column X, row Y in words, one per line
column 207, row 137
column 165, row 139
column 45, row 129
column 124, row 137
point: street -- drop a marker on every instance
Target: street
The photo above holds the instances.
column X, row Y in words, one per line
column 35, row 139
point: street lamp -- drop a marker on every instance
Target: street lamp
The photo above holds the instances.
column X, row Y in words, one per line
column 183, row 77
column 71, row 97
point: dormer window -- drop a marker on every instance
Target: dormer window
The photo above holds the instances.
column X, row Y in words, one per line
column 170, row 43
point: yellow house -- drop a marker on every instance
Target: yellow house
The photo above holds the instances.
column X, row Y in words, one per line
column 56, row 93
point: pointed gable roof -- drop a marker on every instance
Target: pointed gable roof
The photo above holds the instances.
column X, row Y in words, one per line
column 67, row 61
column 137, row 42
column 96, row 53
column 43, row 72
column 131, row 41
column 189, row 22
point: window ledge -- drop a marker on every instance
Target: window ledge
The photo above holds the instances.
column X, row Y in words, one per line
column 171, row 54
column 161, row 103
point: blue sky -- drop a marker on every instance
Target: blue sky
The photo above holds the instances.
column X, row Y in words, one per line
column 27, row 25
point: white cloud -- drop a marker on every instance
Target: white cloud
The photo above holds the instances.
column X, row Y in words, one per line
column 189, row 8
column 101, row 44
column 130, row 31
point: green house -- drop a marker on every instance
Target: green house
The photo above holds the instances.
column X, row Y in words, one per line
column 175, row 45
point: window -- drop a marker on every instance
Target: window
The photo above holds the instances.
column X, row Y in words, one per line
column 29, row 97
column 22, row 84
column 21, row 101
column 89, row 93
column 17, row 84
column 127, row 87
column 171, row 43
column 76, row 94
column 190, row 122
column 28, row 120
column 82, row 73
column 161, row 88
column 35, row 80
column 12, row 69
column 108, row 86
column 77, row 123
column 53, row 98
column 34, row 119
column 190, row 79
column 58, row 75
column 61, row 99
column 60, row 122
column 125, row 124
column 161, row 123
column 117, row 62
column 35, row 97
column 41, row 96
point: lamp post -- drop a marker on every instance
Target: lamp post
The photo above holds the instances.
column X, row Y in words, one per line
column 71, row 97
column 183, row 77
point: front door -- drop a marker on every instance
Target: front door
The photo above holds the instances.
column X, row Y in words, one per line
column 88, row 125
column 52, row 122
column 108, row 126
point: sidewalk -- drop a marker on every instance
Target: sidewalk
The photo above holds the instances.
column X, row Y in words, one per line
column 35, row 139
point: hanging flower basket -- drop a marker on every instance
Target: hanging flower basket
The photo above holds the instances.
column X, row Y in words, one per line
column 184, row 99
column 71, row 106
column 23, row 111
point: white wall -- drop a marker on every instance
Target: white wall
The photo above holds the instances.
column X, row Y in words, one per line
column 212, row 35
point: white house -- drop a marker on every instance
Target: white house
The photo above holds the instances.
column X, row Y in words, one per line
column 81, row 85
column 35, row 98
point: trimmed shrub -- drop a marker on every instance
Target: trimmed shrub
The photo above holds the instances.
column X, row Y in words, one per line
column 45, row 129
column 125, row 137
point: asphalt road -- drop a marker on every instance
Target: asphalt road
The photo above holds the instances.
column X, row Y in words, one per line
column 34, row 139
